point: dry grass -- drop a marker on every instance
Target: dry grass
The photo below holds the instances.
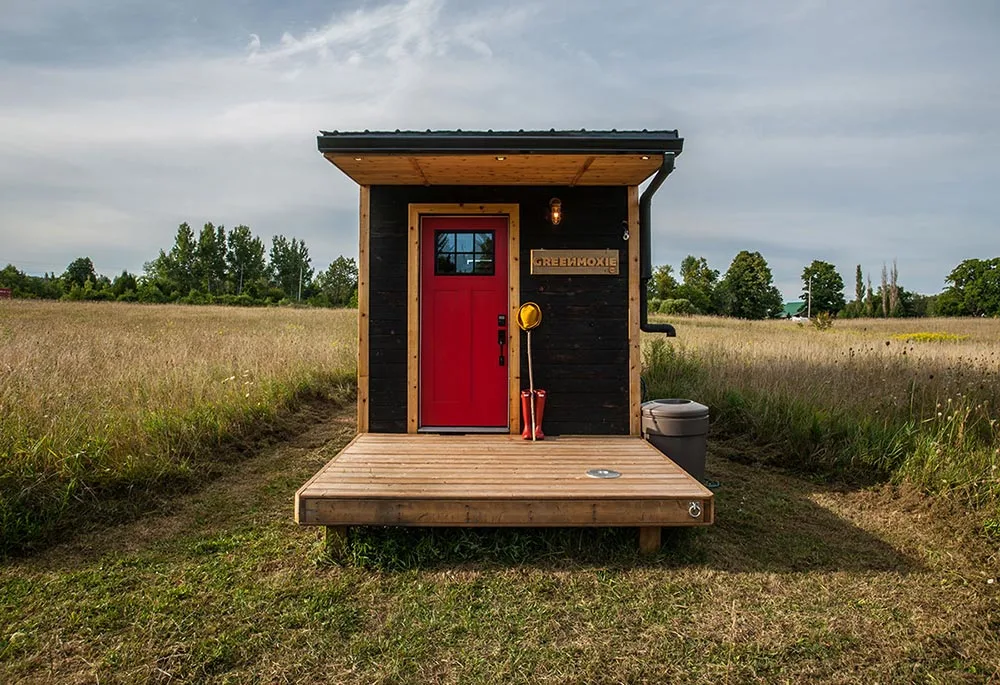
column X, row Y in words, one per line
column 97, row 397
column 797, row 582
column 909, row 399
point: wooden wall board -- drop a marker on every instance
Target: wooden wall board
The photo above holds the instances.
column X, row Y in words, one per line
column 491, row 169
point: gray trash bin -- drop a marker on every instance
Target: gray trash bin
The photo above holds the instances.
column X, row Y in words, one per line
column 679, row 429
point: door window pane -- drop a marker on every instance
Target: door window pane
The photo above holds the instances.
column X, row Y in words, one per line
column 464, row 253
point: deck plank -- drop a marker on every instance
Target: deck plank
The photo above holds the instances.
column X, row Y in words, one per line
column 418, row 479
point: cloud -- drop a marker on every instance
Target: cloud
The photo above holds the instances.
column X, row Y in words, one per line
column 862, row 132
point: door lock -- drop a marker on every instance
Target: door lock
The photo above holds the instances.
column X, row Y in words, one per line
column 501, row 335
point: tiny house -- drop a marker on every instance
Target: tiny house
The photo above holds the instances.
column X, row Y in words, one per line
column 457, row 231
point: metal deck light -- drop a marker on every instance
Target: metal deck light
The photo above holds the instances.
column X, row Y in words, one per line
column 555, row 211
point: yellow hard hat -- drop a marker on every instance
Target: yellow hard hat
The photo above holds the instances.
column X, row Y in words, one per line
column 529, row 315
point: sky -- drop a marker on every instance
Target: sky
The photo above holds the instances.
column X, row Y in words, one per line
column 854, row 132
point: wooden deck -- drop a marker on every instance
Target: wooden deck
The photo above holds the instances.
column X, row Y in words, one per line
column 499, row 480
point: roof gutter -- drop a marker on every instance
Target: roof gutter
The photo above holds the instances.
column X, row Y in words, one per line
column 646, row 248
column 444, row 143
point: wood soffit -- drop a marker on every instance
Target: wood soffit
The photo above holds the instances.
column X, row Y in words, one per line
column 493, row 169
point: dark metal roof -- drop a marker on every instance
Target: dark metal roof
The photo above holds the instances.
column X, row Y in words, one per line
column 510, row 142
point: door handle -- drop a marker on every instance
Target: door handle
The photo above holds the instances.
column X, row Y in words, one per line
column 501, row 340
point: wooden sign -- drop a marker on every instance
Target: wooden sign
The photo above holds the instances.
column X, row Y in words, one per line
column 575, row 262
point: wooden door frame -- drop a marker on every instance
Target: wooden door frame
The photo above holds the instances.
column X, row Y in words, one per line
column 415, row 212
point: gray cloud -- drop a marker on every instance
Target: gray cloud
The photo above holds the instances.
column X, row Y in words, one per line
column 854, row 133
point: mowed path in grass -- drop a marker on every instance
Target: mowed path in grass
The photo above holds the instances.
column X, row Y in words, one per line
column 796, row 582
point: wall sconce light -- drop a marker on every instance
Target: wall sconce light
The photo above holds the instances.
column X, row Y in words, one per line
column 555, row 211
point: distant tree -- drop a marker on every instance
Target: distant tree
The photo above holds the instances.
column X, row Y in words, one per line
column 289, row 266
column 748, row 288
column 79, row 271
column 884, row 292
column 701, row 302
column 695, row 271
column 677, row 306
column 663, row 284
column 210, row 259
column 827, row 287
column 123, row 283
column 895, row 305
column 339, row 282
column 926, row 305
column 915, row 304
column 13, row 278
column 869, row 299
column 152, row 291
column 974, row 289
column 856, row 307
column 175, row 272
column 700, row 284
column 245, row 261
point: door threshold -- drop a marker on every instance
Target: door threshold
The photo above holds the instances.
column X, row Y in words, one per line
column 463, row 429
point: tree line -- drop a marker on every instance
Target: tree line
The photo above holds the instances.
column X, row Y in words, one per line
column 747, row 291
column 235, row 267
column 214, row 266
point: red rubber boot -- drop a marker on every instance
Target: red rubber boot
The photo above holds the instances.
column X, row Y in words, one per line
column 526, row 413
column 539, row 412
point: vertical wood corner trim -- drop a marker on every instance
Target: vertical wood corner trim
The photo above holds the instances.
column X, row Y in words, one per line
column 413, row 320
column 364, row 280
column 414, row 212
column 634, row 347
column 513, row 332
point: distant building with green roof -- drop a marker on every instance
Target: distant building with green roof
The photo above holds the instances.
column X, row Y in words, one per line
column 793, row 309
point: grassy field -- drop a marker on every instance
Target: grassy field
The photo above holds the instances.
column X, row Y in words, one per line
column 914, row 401
column 104, row 403
column 213, row 417
column 797, row 582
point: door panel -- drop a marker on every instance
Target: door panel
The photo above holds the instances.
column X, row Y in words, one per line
column 463, row 290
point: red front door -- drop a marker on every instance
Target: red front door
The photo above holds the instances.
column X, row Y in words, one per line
column 463, row 309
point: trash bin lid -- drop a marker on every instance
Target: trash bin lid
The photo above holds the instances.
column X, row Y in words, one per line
column 675, row 409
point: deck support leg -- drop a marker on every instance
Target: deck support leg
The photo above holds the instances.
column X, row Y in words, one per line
column 649, row 540
column 336, row 541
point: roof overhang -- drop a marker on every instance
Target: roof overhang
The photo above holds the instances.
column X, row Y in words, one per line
column 565, row 158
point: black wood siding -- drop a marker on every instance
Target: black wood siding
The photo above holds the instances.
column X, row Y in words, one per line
column 580, row 351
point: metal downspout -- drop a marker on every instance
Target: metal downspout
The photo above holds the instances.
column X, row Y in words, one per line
column 645, row 248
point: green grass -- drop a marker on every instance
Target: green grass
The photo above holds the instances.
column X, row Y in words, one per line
column 951, row 450
column 195, row 572
column 105, row 407
column 797, row 581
